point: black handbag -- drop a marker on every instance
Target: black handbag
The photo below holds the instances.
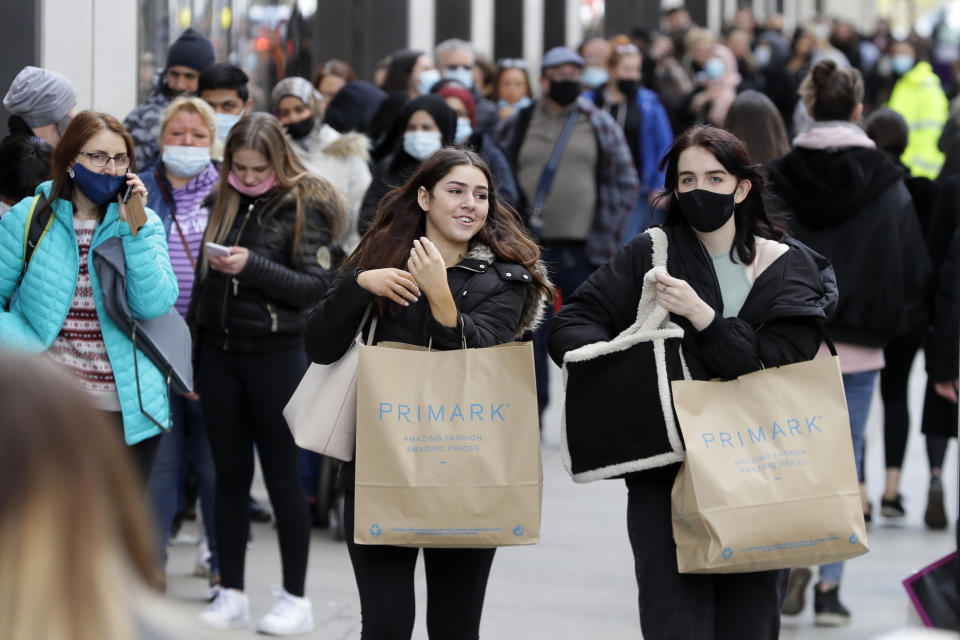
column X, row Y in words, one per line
column 618, row 414
column 165, row 340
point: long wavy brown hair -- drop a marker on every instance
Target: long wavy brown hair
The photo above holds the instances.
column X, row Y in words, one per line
column 400, row 221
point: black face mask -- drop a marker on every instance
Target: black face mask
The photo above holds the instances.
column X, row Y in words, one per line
column 302, row 129
column 629, row 88
column 564, row 92
column 704, row 210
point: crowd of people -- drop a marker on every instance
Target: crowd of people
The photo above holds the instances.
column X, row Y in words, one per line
column 809, row 182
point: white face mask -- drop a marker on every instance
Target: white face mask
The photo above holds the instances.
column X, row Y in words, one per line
column 225, row 122
column 464, row 130
column 421, row 144
column 185, row 162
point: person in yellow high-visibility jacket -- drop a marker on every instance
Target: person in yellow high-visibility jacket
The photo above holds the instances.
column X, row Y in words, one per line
column 919, row 98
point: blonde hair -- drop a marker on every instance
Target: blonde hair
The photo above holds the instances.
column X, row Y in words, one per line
column 261, row 132
column 190, row 105
column 75, row 536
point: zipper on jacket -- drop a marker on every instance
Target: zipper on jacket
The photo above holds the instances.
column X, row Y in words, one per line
column 226, row 291
column 713, row 272
column 273, row 318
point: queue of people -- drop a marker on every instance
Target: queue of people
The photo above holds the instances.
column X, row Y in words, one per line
column 272, row 233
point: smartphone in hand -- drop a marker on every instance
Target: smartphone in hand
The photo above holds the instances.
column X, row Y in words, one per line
column 214, row 249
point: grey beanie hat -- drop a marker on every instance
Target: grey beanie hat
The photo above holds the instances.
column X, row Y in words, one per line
column 40, row 96
column 297, row 87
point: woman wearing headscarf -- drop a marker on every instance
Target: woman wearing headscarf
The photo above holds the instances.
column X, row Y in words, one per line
column 343, row 159
column 424, row 126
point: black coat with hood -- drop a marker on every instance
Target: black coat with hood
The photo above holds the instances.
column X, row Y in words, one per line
column 395, row 169
column 496, row 300
column 263, row 307
column 777, row 325
column 851, row 205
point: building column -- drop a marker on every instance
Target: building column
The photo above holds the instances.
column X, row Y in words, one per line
column 481, row 26
column 533, row 37
column 420, row 25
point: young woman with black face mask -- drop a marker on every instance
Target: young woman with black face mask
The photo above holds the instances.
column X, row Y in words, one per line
column 644, row 122
column 747, row 296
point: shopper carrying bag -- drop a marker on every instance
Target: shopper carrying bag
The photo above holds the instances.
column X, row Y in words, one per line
column 747, row 297
column 445, row 266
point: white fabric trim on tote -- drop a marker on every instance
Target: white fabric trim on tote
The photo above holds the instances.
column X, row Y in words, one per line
column 653, row 324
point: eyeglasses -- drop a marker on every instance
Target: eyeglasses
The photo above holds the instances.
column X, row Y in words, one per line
column 512, row 63
column 99, row 159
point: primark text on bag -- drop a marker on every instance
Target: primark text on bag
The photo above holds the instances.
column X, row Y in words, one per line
column 769, row 480
column 448, row 447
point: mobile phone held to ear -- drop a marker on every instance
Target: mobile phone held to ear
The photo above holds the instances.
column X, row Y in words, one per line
column 136, row 214
column 217, row 250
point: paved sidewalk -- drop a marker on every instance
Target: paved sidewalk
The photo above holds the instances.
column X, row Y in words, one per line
column 578, row 583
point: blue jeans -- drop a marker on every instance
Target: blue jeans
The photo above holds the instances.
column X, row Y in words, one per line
column 858, row 388
column 186, row 440
column 569, row 267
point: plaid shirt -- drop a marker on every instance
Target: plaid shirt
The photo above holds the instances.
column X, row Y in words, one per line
column 143, row 123
column 617, row 181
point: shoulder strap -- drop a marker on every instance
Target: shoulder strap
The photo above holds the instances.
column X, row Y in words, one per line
column 39, row 220
column 550, row 172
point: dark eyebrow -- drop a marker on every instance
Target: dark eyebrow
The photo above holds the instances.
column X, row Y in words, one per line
column 465, row 185
column 707, row 173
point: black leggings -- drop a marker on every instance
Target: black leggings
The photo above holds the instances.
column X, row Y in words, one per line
column 456, row 585
column 894, row 378
column 243, row 395
column 679, row 606
column 143, row 453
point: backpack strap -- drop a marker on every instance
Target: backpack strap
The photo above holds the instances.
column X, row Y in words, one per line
column 39, row 220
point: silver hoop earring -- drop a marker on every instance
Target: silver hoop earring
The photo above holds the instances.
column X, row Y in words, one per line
column 70, row 172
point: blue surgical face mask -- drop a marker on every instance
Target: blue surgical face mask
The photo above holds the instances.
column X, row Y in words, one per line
column 421, row 144
column 464, row 130
column 185, row 162
column 461, row 75
column 99, row 188
column 762, row 56
column 522, row 103
column 225, row 122
column 594, row 76
column 428, row 78
column 901, row 63
column 715, row 68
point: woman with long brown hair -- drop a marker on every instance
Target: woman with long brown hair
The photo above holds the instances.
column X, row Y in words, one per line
column 444, row 263
column 273, row 227
column 53, row 302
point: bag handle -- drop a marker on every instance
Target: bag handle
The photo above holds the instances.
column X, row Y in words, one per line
column 651, row 315
column 363, row 321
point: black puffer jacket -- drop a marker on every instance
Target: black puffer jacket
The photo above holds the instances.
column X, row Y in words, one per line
column 263, row 307
column 777, row 324
column 852, row 206
column 496, row 300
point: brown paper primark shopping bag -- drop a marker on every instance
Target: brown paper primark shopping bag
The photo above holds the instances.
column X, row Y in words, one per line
column 769, row 481
column 448, row 447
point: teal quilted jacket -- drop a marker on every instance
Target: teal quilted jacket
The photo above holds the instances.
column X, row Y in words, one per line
column 39, row 308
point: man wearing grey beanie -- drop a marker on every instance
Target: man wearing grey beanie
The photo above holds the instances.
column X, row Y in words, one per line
column 41, row 103
column 190, row 54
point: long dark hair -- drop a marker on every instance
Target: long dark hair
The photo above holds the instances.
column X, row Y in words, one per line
column 751, row 215
column 755, row 119
column 400, row 220
column 400, row 69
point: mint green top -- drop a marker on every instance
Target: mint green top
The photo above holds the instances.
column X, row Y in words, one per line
column 734, row 284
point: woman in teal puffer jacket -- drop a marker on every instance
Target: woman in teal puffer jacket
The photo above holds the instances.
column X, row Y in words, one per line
column 57, row 308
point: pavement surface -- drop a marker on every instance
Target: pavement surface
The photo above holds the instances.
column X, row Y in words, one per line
column 578, row 583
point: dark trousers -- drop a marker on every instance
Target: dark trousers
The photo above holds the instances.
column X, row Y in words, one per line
column 899, row 356
column 456, row 585
column 143, row 453
column 569, row 267
column 675, row 606
column 243, row 395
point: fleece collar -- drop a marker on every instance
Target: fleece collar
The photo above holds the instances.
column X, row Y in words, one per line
column 832, row 135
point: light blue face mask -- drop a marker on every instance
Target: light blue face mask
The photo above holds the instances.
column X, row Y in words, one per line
column 421, row 144
column 902, row 63
column 464, row 130
column 461, row 75
column 714, row 68
column 185, row 162
column 225, row 122
column 522, row 103
column 762, row 56
column 594, row 76
column 428, row 78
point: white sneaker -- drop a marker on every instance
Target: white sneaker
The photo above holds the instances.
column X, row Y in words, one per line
column 230, row 610
column 201, row 561
column 291, row 615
